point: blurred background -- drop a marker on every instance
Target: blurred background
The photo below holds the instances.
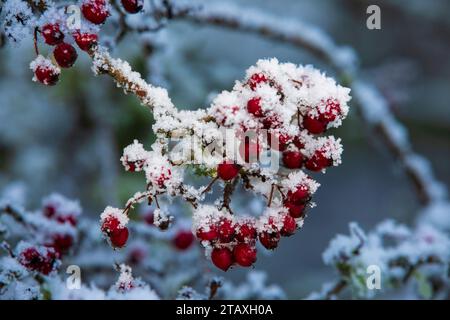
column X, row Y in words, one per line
column 69, row 138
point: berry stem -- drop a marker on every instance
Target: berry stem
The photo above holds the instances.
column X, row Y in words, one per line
column 133, row 201
column 157, row 203
column 36, row 49
column 5, row 245
column 271, row 195
column 209, row 186
column 281, row 192
column 227, row 193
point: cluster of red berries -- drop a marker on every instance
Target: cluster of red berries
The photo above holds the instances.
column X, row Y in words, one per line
column 293, row 158
column 232, row 243
column 292, row 106
column 64, row 53
column 314, row 121
column 65, row 213
column 235, row 242
column 40, row 259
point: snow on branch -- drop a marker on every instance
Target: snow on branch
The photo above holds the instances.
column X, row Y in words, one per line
column 371, row 104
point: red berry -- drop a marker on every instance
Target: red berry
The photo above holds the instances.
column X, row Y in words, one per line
column 289, row 226
column 295, row 210
column 71, row 219
column 183, row 239
column 246, row 232
column 65, row 55
column 292, row 159
column 49, row 211
column 133, row 6
column 62, row 243
column 269, row 239
column 136, row 256
column 119, row 237
column 149, row 218
column 226, row 230
column 299, row 143
column 314, row 126
column 96, row 11
column 244, row 254
column 299, row 196
column 42, row 261
column 110, row 224
column 222, row 258
column 256, row 79
column 254, row 107
column 52, row 34
column 227, row 171
column 85, row 40
column 332, row 110
column 46, row 75
column 131, row 166
column 318, row 162
column 209, row 235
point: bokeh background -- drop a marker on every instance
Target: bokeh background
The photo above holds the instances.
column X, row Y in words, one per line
column 69, row 138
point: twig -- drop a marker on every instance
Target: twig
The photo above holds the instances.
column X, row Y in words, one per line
column 227, row 193
column 336, row 289
column 214, row 286
column 271, row 195
column 209, row 186
column 5, row 245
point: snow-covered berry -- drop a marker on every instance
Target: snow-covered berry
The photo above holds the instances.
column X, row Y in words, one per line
column 134, row 157
column 85, row 40
column 246, row 231
column 95, row 11
column 292, row 159
column 295, row 210
column 52, row 34
column 113, row 225
column 222, row 258
column 254, row 107
column 314, row 126
column 269, row 239
column 289, row 226
column 61, row 209
column 318, row 119
column 208, row 234
column 45, row 71
column 226, row 230
column 318, row 162
column 37, row 258
column 244, row 254
column 298, row 195
column 256, row 79
column 65, row 55
column 132, row 6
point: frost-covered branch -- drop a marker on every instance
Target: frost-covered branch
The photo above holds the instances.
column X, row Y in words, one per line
column 372, row 105
column 404, row 257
